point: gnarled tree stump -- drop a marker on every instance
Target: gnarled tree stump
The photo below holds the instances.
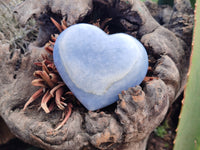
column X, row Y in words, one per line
column 124, row 125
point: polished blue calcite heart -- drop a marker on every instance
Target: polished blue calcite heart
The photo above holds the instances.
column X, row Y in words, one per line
column 96, row 66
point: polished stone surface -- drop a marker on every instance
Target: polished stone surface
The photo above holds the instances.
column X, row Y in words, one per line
column 96, row 66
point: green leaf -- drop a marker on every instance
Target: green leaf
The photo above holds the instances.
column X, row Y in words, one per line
column 168, row 2
column 192, row 2
column 163, row 2
column 188, row 136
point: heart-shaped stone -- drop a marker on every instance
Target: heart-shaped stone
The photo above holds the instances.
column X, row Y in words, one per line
column 97, row 66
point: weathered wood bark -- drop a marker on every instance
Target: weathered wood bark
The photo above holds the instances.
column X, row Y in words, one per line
column 125, row 125
column 5, row 134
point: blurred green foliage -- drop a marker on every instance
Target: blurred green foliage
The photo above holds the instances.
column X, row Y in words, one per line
column 168, row 2
column 161, row 131
column 161, row 2
column 193, row 2
column 188, row 135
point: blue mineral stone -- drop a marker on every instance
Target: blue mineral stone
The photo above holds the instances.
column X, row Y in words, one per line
column 96, row 66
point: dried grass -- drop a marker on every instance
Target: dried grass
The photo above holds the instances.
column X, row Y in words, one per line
column 16, row 35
